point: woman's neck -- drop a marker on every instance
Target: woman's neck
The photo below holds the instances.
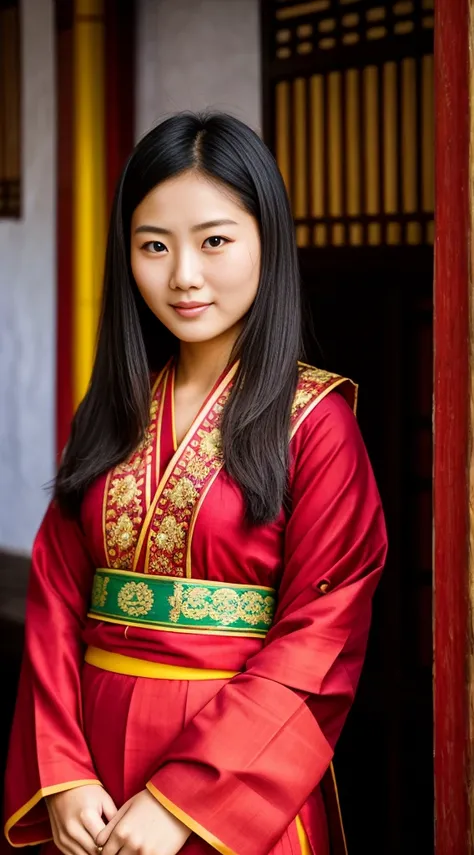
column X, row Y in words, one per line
column 200, row 364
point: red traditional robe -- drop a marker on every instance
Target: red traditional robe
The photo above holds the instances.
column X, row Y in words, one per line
column 236, row 759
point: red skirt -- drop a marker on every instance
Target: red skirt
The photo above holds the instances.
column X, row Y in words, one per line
column 129, row 723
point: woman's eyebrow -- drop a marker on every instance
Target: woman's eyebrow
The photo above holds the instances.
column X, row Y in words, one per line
column 211, row 224
column 156, row 230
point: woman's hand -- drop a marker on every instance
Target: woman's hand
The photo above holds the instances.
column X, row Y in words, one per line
column 143, row 826
column 76, row 818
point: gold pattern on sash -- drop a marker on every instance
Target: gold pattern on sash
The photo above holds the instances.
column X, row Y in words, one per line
column 225, row 605
column 124, row 494
column 99, row 590
column 200, row 460
column 136, row 599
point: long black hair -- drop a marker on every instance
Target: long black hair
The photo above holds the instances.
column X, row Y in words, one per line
column 132, row 342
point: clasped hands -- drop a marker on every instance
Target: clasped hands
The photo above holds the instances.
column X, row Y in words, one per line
column 142, row 826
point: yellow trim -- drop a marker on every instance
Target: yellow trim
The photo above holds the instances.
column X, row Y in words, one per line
column 163, row 373
column 217, row 632
column 336, row 793
column 190, row 822
column 303, row 837
column 160, row 377
column 209, row 403
column 110, row 474
column 89, row 186
column 132, row 667
column 104, row 513
column 320, row 397
column 173, row 417
column 159, row 425
column 189, row 572
column 45, row 791
column 356, row 396
column 132, row 574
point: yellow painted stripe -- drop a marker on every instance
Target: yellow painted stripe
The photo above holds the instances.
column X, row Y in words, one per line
column 132, row 667
column 89, row 186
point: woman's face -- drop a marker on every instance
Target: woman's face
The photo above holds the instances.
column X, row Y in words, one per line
column 195, row 256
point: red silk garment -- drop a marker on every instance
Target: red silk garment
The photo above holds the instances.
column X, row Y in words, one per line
column 237, row 760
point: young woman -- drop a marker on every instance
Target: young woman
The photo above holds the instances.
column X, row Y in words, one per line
column 214, row 541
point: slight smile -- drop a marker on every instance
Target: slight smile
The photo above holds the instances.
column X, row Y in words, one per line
column 190, row 310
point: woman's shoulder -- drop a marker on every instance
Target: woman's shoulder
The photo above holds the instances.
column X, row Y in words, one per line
column 326, row 429
column 314, row 385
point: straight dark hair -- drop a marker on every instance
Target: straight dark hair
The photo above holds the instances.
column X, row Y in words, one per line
column 132, row 342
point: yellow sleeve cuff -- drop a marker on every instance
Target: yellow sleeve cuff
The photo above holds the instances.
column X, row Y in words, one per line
column 45, row 791
column 191, row 823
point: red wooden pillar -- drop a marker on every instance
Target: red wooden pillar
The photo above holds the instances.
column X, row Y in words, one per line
column 119, row 119
column 453, row 645
column 120, row 87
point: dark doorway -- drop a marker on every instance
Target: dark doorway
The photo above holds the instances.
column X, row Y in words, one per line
column 348, row 107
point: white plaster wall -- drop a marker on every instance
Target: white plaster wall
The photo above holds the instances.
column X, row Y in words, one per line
column 27, row 299
column 193, row 54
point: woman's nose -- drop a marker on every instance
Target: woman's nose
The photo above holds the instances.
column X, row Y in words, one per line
column 187, row 272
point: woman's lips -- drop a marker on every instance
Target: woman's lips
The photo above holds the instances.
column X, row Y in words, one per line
column 191, row 311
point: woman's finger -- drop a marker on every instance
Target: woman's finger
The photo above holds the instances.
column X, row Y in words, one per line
column 80, row 842
column 104, row 835
column 70, row 846
column 108, row 806
column 93, row 823
column 115, row 844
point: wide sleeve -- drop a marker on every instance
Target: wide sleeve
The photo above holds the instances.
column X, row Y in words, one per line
column 48, row 752
column 241, row 770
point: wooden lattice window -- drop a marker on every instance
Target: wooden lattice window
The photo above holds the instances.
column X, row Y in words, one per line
column 350, row 95
column 10, row 127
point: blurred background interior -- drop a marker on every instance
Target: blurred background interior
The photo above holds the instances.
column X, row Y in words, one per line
column 342, row 92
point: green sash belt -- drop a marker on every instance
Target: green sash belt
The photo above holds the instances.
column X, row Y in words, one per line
column 189, row 605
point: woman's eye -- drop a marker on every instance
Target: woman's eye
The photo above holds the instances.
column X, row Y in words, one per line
column 215, row 242
column 154, row 246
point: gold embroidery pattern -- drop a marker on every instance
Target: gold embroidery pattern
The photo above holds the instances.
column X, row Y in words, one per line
column 125, row 499
column 121, row 532
column 124, row 492
column 198, row 469
column 311, row 383
column 170, row 534
column 211, row 444
column 99, row 590
column 200, row 461
column 224, row 605
column 184, row 493
column 135, row 599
